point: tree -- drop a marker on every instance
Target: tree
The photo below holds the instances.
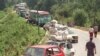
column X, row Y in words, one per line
column 80, row 17
column 32, row 3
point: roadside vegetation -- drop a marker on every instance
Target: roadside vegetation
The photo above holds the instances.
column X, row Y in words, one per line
column 16, row 34
column 2, row 14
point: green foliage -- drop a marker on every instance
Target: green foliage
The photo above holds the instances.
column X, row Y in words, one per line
column 61, row 11
column 80, row 17
column 98, row 19
column 70, row 19
column 41, row 4
column 47, row 4
column 2, row 14
column 64, row 11
column 16, row 35
column 32, row 3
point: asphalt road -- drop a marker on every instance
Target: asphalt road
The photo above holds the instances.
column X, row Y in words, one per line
column 83, row 38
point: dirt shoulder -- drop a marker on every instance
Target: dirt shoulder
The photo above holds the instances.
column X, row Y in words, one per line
column 83, row 28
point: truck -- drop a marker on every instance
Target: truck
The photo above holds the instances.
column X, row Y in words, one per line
column 40, row 17
column 21, row 9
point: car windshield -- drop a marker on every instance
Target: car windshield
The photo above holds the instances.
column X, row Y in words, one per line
column 34, row 52
column 52, row 43
column 70, row 31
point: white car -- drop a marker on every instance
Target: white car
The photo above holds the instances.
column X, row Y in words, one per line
column 67, row 35
column 73, row 36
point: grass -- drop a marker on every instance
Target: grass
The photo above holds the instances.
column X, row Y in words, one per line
column 2, row 14
column 82, row 28
column 16, row 35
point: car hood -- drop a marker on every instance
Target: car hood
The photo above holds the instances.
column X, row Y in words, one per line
column 70, row 35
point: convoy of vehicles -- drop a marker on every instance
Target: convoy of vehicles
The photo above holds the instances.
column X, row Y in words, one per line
column 35, row 16
column 61, row 32
column 52, row 46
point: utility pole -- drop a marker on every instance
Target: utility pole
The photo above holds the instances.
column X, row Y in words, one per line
column 95, row 10
column 38, row 19
column 38, row 23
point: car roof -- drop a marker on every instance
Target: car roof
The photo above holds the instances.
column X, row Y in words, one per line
column 43, row 46
column 39, row 12
column 57, row 41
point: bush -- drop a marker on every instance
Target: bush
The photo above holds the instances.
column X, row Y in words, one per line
column 80, row 17
column 62, row 10
column 16, row 35
column 2, row 14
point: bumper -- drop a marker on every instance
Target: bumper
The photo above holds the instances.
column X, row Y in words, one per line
column 74, row 39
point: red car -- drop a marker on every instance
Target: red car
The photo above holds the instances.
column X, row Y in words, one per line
column 44, row 50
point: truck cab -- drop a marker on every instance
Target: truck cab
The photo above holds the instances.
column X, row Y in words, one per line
column 21, row 9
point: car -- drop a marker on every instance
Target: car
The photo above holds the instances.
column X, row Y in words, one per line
column 65, row 35
column 68, row 49
column 74, row 37
column 43, row 50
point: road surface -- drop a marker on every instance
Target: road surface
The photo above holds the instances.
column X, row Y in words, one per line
column 83, row 38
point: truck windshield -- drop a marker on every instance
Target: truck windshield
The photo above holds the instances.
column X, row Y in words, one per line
column 34, row 52
column 43, row 18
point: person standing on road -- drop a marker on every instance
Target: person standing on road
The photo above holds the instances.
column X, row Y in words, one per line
column 95, row 30
column 91, row 31
column 90, row 48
